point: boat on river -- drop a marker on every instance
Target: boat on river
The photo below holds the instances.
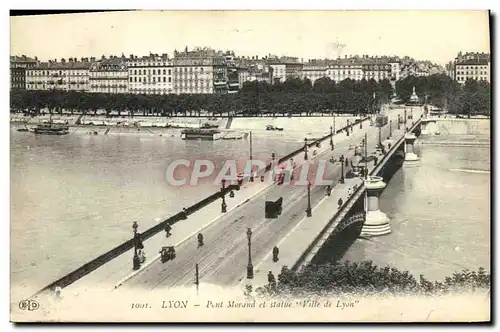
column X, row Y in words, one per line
column 201, row 134
column 51, row 129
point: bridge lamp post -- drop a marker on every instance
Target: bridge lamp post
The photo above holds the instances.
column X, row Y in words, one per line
column 379, row 135
column 224, row 205
column 390, row 128
column 135, row 261
column 341, row 159
column 309, row 209
column 250, row 265
column 305, row 149
column 251, row 157
column 399, row 122
column 331, row 138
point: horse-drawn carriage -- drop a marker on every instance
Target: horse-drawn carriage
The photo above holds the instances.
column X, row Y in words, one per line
column 273, row 208
column 167, row 253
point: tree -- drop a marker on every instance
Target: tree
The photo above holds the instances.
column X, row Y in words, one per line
column 365, row 277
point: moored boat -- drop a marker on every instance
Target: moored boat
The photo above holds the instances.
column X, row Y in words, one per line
column 201, row 134
column 49, row 129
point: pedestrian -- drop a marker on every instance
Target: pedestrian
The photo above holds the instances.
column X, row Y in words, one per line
column 328, row 190
column 168, row 228
column 276, row 252
column 340, row 202
column 270, row 279
column 58, row 291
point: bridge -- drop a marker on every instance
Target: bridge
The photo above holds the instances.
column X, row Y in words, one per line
column 238, row 243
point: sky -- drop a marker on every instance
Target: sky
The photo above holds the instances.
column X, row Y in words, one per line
column 424, row 35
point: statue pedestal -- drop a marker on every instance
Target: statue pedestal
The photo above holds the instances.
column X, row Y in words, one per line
column 377, row 222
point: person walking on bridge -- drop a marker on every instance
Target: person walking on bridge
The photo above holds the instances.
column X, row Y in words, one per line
column 271, row 280
column 276, row 252
column 328, row 190
column 168, row 228
column 200, row 240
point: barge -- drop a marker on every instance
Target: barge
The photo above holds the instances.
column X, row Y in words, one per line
column 201, row 134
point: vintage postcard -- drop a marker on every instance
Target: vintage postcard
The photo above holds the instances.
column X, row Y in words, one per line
column 250, row 166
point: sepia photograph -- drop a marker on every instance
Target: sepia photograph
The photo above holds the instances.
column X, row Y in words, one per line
column 175, row 166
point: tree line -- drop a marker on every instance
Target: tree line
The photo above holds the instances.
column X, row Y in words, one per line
column 367, row 278
column 471, row 98
column 290, row 97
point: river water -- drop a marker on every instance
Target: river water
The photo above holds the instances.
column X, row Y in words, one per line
column 439, row 210
column 75, row 197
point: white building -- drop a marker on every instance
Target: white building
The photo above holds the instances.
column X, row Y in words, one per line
column 395, row 70
column 151, row 74
column 67, row 75
column 109, row 75
column 279, row 71
column 313, row 72
column 475, row 66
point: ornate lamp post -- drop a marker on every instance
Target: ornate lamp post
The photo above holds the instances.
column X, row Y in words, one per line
column 224, row 205
column 331, row 138
column 251, row 157
column 390, row 128
column 305, row 149
column 249, row 266
column 309, row 210
column 341, row 159
column 399, row 122
column 135, row 261
column 379, row 135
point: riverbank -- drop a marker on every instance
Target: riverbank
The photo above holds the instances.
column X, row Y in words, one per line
column 310, row 127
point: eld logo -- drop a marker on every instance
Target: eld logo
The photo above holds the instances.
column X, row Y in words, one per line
column 29, row 305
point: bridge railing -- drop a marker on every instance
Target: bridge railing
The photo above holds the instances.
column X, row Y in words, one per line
column 337, row 214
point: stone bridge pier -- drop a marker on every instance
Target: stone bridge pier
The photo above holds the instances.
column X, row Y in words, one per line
column 427, row 126
column 410, row 156
column 377, row 222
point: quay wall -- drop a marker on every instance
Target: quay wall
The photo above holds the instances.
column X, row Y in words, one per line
column 183, row 215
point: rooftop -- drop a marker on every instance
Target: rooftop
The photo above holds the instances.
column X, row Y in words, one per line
column 64, row 65
column 22, row 58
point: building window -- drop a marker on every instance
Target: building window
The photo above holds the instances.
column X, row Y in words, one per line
column 154, row 72
column 169, row 72
column 164, row 79
column 170, row 80
column 164, row 71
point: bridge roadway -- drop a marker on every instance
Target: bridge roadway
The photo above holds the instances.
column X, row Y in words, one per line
column 223, row 258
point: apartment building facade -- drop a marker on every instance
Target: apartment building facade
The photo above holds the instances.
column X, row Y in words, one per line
column 66, row 75
column 18, row 67
column 109, row 75
column 152, row 74
column 476, row 66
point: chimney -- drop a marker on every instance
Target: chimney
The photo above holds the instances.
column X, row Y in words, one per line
column 345, row 56
column 63, row 60
column 36, row 58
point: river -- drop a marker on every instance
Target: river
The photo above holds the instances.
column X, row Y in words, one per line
column 439, row 210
